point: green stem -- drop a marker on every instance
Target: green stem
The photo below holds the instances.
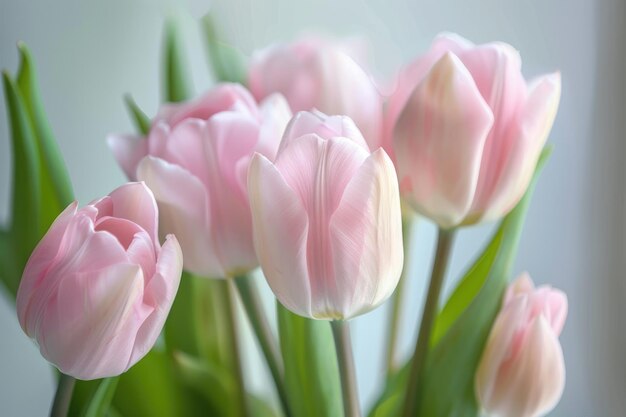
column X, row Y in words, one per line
column 411, row 399
column 63, row 396
column 258, row 319
column 231, row 307
column 345, row 360
column 398, row 298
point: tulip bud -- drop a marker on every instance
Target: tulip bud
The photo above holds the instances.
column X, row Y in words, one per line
column 314, row 73
column 467, row 130
column 195, row 159
column 522, row 371
column 97, row 288
column 326, row 218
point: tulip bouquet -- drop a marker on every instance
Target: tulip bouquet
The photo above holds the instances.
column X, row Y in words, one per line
column 295, row 162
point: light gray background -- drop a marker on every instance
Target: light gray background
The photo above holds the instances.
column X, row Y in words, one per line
column 90, row 53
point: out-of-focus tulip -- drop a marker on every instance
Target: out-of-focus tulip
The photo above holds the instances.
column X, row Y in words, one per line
column 522, row 372
column 468, row 130
column 195, row 160
column 98, row 287
column 314, row 73
column 327, row 221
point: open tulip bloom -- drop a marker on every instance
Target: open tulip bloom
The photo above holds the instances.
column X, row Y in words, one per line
column 302, row 176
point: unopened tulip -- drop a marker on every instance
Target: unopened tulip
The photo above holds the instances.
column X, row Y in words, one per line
column 522, row 372
column 327, row 221
column 314, row 73
column 195, row 160
column 97, row 288
column 467, row 130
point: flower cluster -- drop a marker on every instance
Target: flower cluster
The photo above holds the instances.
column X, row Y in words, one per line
column 303, row 175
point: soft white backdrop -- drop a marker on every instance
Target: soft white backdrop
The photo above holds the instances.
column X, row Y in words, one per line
column 90, row 53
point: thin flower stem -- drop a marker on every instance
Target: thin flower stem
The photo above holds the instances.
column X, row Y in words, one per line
column 345, row 360
column 253, row 306
column 398, row 298
column 63, row 396
column 411, row 398
column 232, row 326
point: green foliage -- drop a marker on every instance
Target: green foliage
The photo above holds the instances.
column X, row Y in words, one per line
column 311, row 371
column 175, row 75
column 462, row 327
column 141, row 121
column 227, row 63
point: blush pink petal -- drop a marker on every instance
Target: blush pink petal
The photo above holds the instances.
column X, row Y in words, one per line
column 326, row 127
column 280, row 235
column 159, row 294
column 411, row 76
column 442, row 130
column 183, row 207
column 529, row 136
column 366, row 237
column 128, row 151
column 275, row 115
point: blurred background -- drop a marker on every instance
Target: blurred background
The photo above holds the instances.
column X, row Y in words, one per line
column 89, row 54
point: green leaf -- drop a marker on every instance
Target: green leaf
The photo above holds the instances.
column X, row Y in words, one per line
column 151, row 388
column 175, row 75
column 311, row 372
column 26, row 190
column 260, row 408
column 56, row 187
column 214, row 383
column 462, row 327
column 101, row 401
column 142, row 122
column 226, row 62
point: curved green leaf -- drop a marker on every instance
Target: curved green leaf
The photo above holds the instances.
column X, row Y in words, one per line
column 227, row 63
column 56, row 187
column 175, row 76
column 142, row 122
column 26, row 190
column 311, row 372
column 101, row 400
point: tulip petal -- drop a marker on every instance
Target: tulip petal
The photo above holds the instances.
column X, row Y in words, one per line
column 275, row 115
column 280, row 232
column 41, row 258
column 135, row 202
column 90, row 334
column 442, row 130
column 128, row 151
column 183, row 206
column 519, row 155
column 159, row 294
column 540, row 359
column 366, row 237
column 326, row 127
column 411, row 76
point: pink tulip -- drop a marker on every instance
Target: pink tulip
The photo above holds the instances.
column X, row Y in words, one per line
column 195, row 160
column 97, row 288
column 326, row 217
column 522, row 372
column 313, row 73
column 468, row 130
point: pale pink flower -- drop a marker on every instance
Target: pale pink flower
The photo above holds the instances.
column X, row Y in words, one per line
column 522, row 371
column 195, row 159
column 97, row 288
column 327, row 221
column 467, row 130
column 314, row 73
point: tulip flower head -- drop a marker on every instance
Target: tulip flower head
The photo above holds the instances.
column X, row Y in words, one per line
column 195, row 159
column 314, row 73
column 326, row 218
column 522, row 371
column 97, row 288
column 467, row 130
